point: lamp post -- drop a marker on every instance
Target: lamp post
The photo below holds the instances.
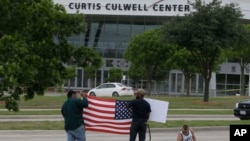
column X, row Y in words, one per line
column 248, row 83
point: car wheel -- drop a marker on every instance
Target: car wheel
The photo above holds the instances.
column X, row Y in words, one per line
column 115, row 94
column 92, row 94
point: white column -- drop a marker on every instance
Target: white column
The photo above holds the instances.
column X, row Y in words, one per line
column 212, row 85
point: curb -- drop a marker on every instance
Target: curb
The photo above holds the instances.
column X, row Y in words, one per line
column 196, row 129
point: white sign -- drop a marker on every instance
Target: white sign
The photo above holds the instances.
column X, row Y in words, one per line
column 159, row 110
column 127, row 7
column 140, row 7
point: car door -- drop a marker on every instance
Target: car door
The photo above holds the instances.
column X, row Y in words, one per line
column 102, row 90
column 111, row 88
column 105, row 91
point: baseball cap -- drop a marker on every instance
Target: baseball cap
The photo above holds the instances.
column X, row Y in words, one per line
column 140, row 91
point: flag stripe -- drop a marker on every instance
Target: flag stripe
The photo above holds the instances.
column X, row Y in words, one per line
column 100, row 116
column 107, row 125
column 98, row 120
column 103, row 101
column 107, row 130
column 91, row 107
column 102, row 105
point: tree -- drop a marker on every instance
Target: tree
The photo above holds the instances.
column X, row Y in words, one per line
column 146, row 50
column 240, row 53
column 161, row 74
column 34, row 47
column 115, row 75
column 183, row 60
column 89, row 59
column 136, row 73
column 205, row 32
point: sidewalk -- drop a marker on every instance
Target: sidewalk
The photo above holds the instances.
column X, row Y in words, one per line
column 164, row 134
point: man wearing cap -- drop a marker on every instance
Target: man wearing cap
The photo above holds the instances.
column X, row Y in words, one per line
column 141, row 111
column 72, row 110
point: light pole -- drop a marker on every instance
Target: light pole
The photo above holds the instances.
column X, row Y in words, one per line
column 248, row 83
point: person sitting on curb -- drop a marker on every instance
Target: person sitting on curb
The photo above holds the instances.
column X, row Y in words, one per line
column 186, row 134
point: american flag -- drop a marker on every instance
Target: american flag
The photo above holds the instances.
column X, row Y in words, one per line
column 107, row 115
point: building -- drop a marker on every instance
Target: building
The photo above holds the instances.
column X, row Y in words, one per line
column 112, row 23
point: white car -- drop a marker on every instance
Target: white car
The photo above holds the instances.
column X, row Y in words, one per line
column 111, row 89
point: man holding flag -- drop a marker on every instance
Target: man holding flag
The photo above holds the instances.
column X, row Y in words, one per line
column 72, row 113
column 114, row 116
column 140, row 115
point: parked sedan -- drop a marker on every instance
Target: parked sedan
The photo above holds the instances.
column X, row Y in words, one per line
column 111, row 89
column 242, row 109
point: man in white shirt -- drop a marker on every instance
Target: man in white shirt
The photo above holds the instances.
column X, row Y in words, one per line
column 186, row 134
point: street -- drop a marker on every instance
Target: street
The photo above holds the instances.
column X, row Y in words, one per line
column 167, row 134
column 202, row 134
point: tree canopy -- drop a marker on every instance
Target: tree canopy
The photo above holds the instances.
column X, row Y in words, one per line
column 34, row 48
column 115, row 75
column 240, row 54
column 149, row 53
column 205, row 32
column 184, row 61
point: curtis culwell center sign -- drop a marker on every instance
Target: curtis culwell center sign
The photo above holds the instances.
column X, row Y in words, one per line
column 140, row 7
column 127, row 7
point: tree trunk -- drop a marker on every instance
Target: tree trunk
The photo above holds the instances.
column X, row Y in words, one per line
column 206, row 92
column 207, row 76
column 187, row 83
column 149, row 87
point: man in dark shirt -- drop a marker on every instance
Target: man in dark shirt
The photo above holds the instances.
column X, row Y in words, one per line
column 141, row 111
column 72, row 110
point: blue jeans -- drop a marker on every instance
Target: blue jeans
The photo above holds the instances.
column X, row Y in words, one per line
column 138, row 127
column 77, row 134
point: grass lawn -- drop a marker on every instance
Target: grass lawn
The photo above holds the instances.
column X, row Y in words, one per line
column 170, row 111
column 193, row 105
column 58, row 125
column 55, row 102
